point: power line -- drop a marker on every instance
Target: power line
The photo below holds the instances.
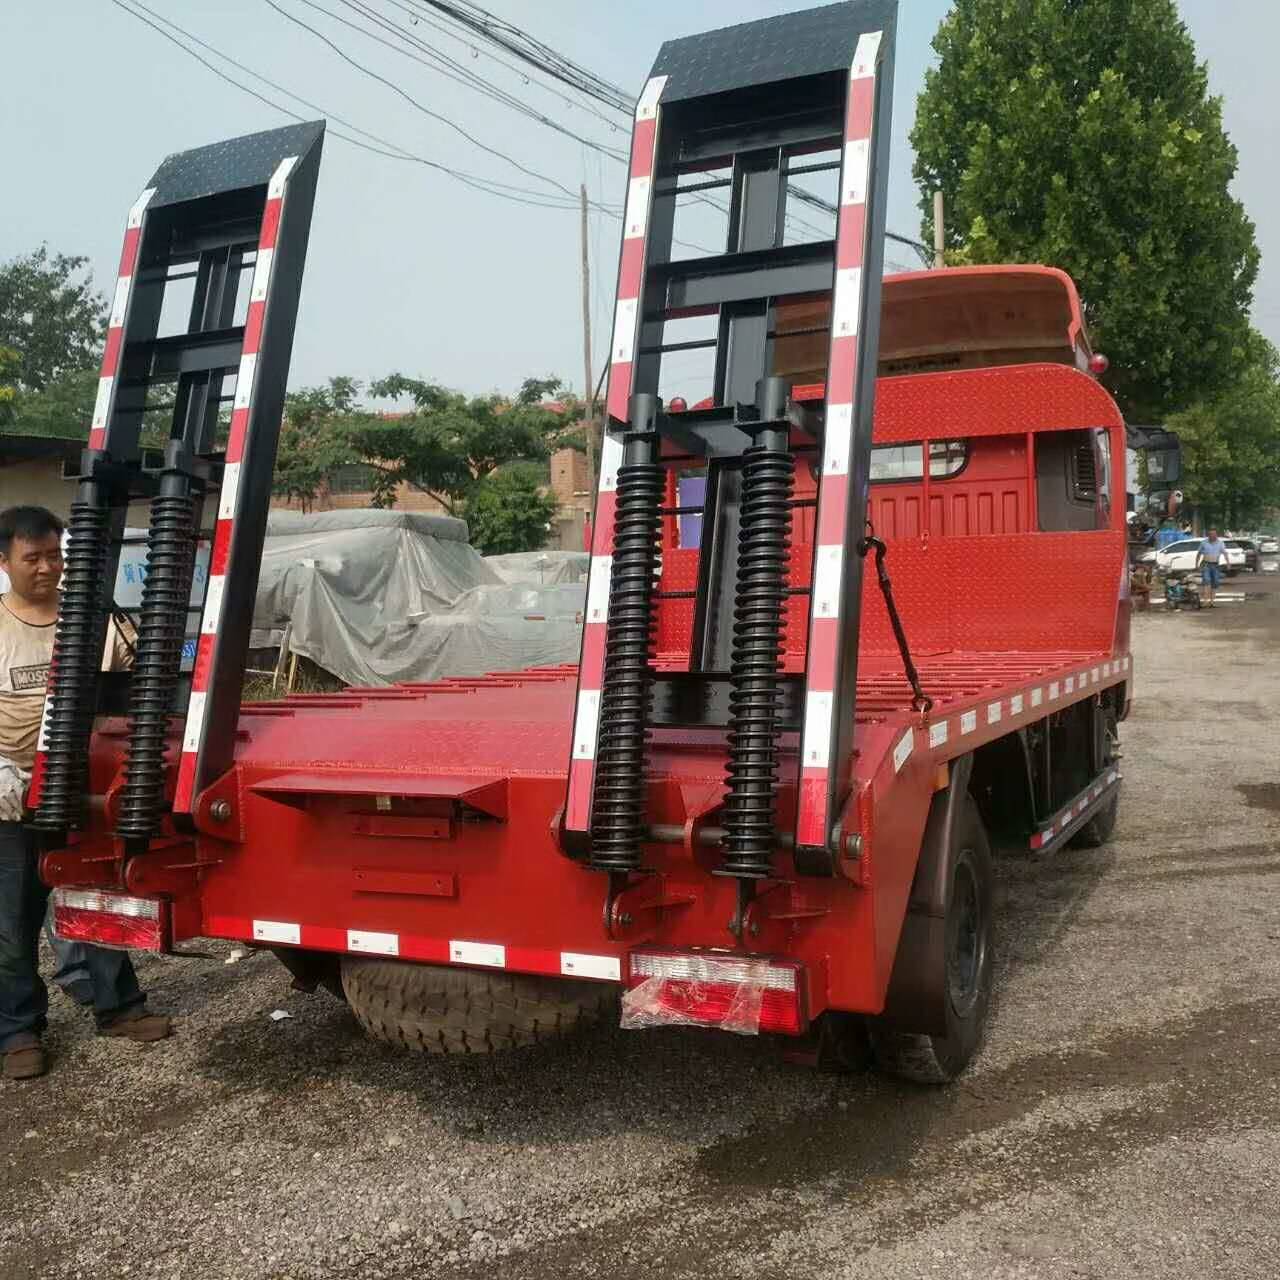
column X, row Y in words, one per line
column 434, row 115
column 392, row 150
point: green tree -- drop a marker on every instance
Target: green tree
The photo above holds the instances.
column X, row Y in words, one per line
column 64, row 408
column 51, row 315
column 447, row 441
column 314, row 439
column 1231, row 445
column 1080, row 133
column 8, row 384
column 507, row 511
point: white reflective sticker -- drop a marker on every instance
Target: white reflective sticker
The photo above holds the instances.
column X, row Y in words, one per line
column 491, row 954
column 374, row 944
column 277, row 931
column 610, row 461
column 574, row 964
column 827, row 566
column 244, row 381
column 853, row 175
column 938, row 734
column 1053, row 690
column 1015, row 705
column 42, row 744
column 624, row 330
column 598, row 588
column 101, row 404
column 968, row 722
column 864, row 57
column 994, row 712
column 816, row 749
column 1037, row 697
column 230, row 487
column 902, row 752
column 647, row 104
column 1094, row 675
column 848, row 302
column 585, row 724
column 1069, row 684
column 195, row 721
column 139, row 207
column 1125, row 663
column 275, row 188
column 213, row 604
column 637, row 213
column 119, row 301
column 837, row 440
column 261, row 275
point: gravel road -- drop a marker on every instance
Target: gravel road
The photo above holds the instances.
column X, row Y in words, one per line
column 1123, row 1119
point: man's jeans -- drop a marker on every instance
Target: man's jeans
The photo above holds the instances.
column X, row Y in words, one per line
column 24, row 1000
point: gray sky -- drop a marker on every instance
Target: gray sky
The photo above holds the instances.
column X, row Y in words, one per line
column 408, row 269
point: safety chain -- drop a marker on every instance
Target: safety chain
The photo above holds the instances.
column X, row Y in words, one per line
column 920, row 701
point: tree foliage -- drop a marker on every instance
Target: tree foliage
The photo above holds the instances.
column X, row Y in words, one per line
column 507, row 512
column 51, row 315
column 447, row 442
column 1231, row 445
column 313, row 439
column 1080, row 133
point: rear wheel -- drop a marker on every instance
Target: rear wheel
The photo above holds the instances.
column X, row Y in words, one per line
column 430, row 1009
column 938, row 1059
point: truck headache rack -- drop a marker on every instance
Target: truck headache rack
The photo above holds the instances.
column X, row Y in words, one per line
column 742, row 112
column 198, row 346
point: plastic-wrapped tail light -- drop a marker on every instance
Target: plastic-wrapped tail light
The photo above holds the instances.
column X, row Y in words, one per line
column 746, row 995
column 110, row 920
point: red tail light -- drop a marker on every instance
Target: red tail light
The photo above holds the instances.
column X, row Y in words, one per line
column 111, row 920
column 734, row 993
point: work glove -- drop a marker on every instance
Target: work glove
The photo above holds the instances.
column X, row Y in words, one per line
column 13, row 789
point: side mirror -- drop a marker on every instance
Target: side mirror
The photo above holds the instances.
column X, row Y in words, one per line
column 1164, row 465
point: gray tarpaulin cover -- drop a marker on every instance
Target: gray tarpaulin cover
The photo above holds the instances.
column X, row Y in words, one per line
column 379, row 597
column 541, row 568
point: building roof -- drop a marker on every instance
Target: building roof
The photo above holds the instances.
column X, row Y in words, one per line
column 16, row 447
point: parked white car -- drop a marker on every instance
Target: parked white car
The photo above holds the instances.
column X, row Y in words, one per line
column 1179, row 556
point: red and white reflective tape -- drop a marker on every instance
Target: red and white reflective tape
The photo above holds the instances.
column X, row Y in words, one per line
column 1027, row 706
column 211, row 617
column 103, row 406
column 626, row 327
column 1075, row 810
column 105, row 400
column 833, row 538
column 460, row 951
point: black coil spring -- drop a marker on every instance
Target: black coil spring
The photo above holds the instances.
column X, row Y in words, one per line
column 618, row 819
column 77, row 659
column 161, row 630
column 763, row 540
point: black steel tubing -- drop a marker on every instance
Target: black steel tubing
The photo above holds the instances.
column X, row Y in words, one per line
column 77, row 659
column 618, row 825
column 162, row 625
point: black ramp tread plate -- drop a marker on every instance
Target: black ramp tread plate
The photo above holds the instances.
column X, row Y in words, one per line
column 792, row 45
column 231, row 165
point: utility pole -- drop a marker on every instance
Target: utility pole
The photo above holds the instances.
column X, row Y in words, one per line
column 588, row 384
column 939, row 241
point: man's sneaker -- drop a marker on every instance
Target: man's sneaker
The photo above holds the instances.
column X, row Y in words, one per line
column 25, row 1063
column 142, row 1027
column 81, row 991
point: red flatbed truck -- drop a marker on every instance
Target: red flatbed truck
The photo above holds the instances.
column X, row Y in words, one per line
column 762, row 799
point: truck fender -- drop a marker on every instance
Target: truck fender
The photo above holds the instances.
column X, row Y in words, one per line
column 916, row 1000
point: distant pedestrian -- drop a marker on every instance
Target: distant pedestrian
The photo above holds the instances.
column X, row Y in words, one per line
column 1212, row 553
column 31, row 556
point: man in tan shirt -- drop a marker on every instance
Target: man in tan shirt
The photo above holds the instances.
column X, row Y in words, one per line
column 31, row 556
